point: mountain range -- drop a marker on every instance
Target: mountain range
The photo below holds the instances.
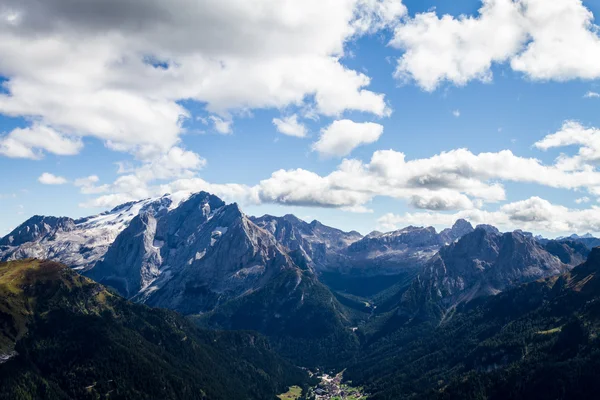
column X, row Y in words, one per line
column 321, row 296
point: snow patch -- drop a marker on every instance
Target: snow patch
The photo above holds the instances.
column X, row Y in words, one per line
column 205, row 208
column 7, row 356
column 217, row 233
column 221, row 229
column 245, row 272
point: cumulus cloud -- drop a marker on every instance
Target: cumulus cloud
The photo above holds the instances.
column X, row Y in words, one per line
column 126, row 191
column 143, row 181
column 87, row 185
column 533, row 214
column 458, row 49
column 223, row 126
column 290, row 126
column 582, row 200
column 591, row 95
column 108, row 201
column 564, row 43
column 544, row 40
column 441, row 200
column 454, row 180
column 34, row 141
column 118, row 70
column 573, row 133
column 343, row 136
column 305, row 188
column 48, row 179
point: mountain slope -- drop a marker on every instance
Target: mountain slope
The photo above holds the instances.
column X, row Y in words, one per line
column 75, row 340
column 184, row 253
column 199, row 255
column 538, row 340
column 223, row 258
column 379, row 261
column 482, row 263
column 315, row 241
column 303, row 319
column 78, row 243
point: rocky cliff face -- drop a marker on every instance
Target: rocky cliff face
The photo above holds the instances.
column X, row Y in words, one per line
column 316, row 242
column 225, row 257
column 458, row 230
column 189, row 256
column 483, row 263
column 77, row 243
column 37, row 227
column 192, row 257
column 408, row 248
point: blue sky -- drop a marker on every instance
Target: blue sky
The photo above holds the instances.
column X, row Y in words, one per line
column 57, row 119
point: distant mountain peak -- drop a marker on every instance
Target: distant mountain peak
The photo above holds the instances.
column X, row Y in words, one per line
column 488, row 228
column 462, row 224
column 460, row 228
column 374, row 234
column 481, row 263
column 293, row 218
column 35, row 228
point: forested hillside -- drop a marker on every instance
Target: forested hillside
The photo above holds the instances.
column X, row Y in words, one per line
column 76, row 340
column 538, row 341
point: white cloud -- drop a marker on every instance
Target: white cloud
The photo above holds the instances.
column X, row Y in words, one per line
column 572, row 133
column 458, row 49
column 176, row 163
column 117, row 71
column 87, row 181
column 343, row 136
column 108, row 201
column 87, row 185
column 33, row 141
column 564, row 43
column 591, row 95
column 441, row 200
column 452, row 180
column 456, row 113
column 141, row 182
column 533, row 214
column 582, row 200
column 49, row 179
column 304, row 188
column 545, row 40
column 290, row 126
column 223, row 126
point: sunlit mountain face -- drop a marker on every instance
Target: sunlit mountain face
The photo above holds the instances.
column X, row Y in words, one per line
column 319, row 199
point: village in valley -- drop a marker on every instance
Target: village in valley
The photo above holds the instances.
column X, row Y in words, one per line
column 330, row 387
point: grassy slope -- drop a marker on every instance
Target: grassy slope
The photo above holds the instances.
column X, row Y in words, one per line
column 75, row 340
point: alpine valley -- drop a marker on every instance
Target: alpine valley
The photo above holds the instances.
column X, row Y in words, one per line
column 187, row 297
